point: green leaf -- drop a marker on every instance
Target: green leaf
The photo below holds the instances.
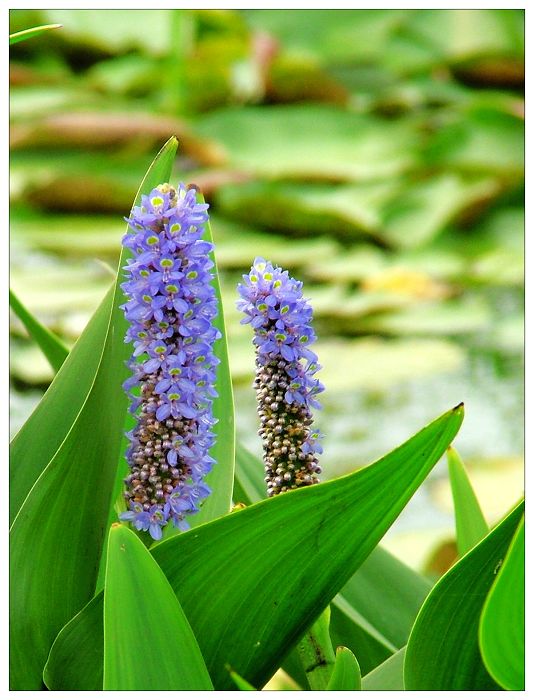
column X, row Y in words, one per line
column 141, row 612
column 29, row 33
column 52, row 347
column 241, row 683
column 442, row 652
column 502, row 622
column 57, row 535
column 57, row 410
column 375, row 610
column 387, row 676
column 65, row 667
column 260, row 589
column 249, row 486
column 346, row 674
column 471, row 525
column 316, row 652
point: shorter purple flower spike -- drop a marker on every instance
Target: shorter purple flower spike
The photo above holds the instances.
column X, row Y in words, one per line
column 170, row 306
column 285, row 367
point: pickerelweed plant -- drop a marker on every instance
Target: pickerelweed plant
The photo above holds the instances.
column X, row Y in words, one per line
column 255, row 580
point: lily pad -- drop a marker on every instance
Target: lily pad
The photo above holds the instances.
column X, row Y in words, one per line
column 146, row 29
column 432, row 318
column 481, row 141
column 311, row 141
column 422, row 210
column 327, row 36
column 341, row 211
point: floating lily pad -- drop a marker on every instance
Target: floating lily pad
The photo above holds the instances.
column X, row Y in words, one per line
column 431, row 318
column 480, row 141
column 146, row 29
column 56, row 290
column 75, row 235
column 329, row 36
column 311, row 141
column 238, row 245
column 353, row 266
column 374, row 363
column 461, row 34
column 342, row 211
column 423, row 209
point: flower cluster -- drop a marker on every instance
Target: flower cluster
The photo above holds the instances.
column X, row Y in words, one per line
column 170, row 306
column 285, row 367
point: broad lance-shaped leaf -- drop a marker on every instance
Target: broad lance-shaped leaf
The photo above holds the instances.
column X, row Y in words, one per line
column 346, row 674
column 443, row 651
column 375, row 610
column 57, row 535
column 52, row 347
column 253, row 581
column 56, row 412
column 141, row 612
column 471, row 525
column 502, row 623
column 389, row 675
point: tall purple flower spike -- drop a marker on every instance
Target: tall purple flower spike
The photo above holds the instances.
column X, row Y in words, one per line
column 285, row 367
column 170, row 305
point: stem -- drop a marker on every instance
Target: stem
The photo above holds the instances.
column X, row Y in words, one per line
column 316, row 652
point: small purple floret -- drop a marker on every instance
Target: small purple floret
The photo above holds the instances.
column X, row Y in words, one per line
column 170, row 306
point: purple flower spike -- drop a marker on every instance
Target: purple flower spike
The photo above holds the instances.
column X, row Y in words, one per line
column 285, row 385
column 170, row 306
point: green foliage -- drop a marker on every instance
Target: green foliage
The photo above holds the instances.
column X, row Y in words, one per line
column 375, row 610
column 241, row 683
column 316, row 653
column 502, row 621
column 228, row 577
column 389, row 675
column 346, row 673
column 52, row 347
column 443, row 651
column 138, row 598
column 471, row 526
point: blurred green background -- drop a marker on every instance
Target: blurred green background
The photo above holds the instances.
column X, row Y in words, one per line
column 378, row 154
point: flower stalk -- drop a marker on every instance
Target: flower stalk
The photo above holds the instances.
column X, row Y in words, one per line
column 285, row 384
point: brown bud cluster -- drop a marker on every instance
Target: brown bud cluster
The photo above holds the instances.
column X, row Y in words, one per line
column 151, row 478
column 284, row 429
